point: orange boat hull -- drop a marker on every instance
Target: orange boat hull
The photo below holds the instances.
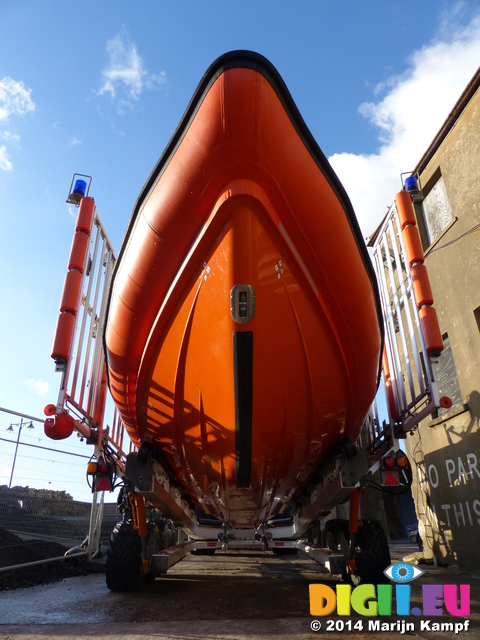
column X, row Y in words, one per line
column 243, row 337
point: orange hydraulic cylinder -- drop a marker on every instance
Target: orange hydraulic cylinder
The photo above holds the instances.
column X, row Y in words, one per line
column 390, row 398
column 385, row 367
column 388, row 385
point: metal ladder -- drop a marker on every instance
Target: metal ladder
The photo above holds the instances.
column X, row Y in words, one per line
column 408, row 384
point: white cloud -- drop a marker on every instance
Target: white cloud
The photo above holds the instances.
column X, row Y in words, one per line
column 125, row 75
column 39, row 386
column 7, row 135
column 14, row 100
column 5, row 164
column 408, row 117
column 73, row 142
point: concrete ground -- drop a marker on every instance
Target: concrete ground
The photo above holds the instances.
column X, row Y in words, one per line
column 227, row 596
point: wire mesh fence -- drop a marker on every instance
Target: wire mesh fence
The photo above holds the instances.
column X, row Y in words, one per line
column 45, row 501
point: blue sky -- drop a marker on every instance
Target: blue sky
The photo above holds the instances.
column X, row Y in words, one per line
column 99, row 87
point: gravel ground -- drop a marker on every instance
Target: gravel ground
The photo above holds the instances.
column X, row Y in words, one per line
column 230, row 596
column 14, row 550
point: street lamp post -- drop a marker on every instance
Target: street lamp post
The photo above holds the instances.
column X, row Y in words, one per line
column 10, row 428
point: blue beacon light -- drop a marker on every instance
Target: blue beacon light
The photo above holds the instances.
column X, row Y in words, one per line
column 411, row 184
column 80, row 188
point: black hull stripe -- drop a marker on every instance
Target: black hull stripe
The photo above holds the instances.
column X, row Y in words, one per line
column 243, row 384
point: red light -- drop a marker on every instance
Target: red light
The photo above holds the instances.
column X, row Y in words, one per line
column 446, row 402
column 389, row 462
column 103, row 484
column 391, row 480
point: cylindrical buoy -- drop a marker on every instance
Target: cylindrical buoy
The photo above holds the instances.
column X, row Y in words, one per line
column 413, row 246
column 63, row 336
column 431, row 330
column 405, row 211
column 78, row 251
column 421, row 285
column 85, row 215
column 71, row 291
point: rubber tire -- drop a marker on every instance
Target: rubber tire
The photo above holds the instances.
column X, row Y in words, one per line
column 372, row 555
column 123, row 569
column 337, row 525
column 330, row 541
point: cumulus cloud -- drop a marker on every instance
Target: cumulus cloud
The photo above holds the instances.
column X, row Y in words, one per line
column 39, row 386
column 125, row 76
column 14, row 100
column 5, row 164
column 407, row 115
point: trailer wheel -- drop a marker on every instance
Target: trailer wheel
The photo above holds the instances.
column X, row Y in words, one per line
column 372, row 555
column 123, row 568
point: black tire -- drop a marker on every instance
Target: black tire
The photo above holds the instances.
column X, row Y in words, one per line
column 337, row 525
column 372, row 555
column 330, row 541
column 123, row 569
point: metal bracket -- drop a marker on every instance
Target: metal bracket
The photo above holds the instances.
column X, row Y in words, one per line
column 139, row 473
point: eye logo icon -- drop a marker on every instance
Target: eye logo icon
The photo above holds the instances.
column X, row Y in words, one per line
column 402, row 572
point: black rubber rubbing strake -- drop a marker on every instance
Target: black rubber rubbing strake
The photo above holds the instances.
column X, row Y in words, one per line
column 243, row 385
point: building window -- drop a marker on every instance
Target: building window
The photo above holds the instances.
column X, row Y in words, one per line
column 436, row 208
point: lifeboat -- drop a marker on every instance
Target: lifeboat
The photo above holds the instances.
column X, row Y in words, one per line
column 243, row 336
